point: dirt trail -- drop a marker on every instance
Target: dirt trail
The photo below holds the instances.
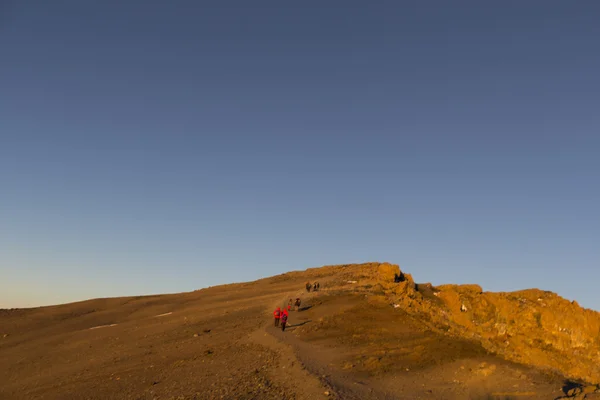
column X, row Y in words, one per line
column 292, row 373
column 308, row 371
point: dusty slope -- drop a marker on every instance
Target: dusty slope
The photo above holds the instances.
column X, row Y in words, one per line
column 219, row 343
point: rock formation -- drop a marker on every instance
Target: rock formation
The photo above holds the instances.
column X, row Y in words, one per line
column 533, row 327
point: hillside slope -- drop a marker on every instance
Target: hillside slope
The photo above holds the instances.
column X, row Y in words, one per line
column 369, row 333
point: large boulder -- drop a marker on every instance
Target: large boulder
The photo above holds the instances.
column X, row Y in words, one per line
column 388, row 272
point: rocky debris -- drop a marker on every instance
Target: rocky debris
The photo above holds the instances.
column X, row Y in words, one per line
column 5, row 336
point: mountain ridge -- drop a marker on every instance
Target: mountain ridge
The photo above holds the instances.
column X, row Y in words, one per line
column 369, row 323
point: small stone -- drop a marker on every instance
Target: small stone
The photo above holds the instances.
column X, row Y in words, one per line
column 327, row 393
column 195, row 335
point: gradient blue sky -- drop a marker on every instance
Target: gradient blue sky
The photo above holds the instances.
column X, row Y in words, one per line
column 164, row 146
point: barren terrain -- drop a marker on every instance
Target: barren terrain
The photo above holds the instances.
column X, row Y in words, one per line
column 361, row 336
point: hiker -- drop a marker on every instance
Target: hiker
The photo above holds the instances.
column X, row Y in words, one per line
column 318, row 286
column 289, row 306
column 315, row 287
column 308, row 286
column 284, row 318
column 277, row 316
column 297, row 304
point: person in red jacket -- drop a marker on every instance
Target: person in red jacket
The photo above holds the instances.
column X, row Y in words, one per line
column 277, row 316
column 284, row 318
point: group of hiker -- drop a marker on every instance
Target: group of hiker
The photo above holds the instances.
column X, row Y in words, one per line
column 314, row 286
column 281, row 315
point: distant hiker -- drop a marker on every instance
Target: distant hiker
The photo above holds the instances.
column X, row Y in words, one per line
column 277, row 316
column 289, row 306
column 297, row 304
column 308, row 286
column 318, row 286
column 315, row 287
column 284, row 318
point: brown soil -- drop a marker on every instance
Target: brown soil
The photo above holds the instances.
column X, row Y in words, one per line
column 219, row 343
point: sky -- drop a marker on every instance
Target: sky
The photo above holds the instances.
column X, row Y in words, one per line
column 165, row 146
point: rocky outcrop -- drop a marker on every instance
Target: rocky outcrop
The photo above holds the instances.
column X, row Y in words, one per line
column 388, row 272
column 533, row 327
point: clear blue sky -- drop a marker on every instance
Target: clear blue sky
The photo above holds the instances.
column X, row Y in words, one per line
column 165, row 146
